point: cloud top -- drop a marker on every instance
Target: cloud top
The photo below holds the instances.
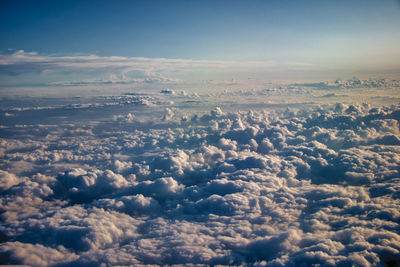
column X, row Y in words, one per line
column 271, row 188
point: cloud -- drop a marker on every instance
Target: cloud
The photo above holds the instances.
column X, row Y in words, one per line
column 82, row 186
column 141, row 185
column 22, row 62
column 151, row 78
column 21, row 57
column 7, row 180
column 93, row 70
column 37, row 255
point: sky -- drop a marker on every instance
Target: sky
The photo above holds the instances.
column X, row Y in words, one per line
column 292, row 39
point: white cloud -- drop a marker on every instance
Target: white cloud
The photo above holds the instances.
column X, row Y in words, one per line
column 8, row 179
column 82, row 71
column 277, row 188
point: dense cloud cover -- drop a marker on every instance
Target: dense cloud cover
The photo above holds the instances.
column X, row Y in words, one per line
column 318, row 185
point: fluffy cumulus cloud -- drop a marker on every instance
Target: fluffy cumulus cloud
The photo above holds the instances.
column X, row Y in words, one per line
column 318, row 186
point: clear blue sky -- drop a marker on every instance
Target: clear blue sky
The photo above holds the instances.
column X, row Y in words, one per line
column 234, row 30
column 337, row 34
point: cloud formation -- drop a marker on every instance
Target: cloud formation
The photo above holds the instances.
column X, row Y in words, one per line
column 270, row 188
column 93, row 70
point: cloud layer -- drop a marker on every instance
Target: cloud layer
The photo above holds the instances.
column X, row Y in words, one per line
column 317, row 185
column 183, row 178
column 94, row 71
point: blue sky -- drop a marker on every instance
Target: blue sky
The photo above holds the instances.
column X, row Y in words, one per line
column 336, row 36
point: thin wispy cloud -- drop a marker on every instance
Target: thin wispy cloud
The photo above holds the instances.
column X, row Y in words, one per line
column 86, row 70
column 21, row 57
column 120, row 68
